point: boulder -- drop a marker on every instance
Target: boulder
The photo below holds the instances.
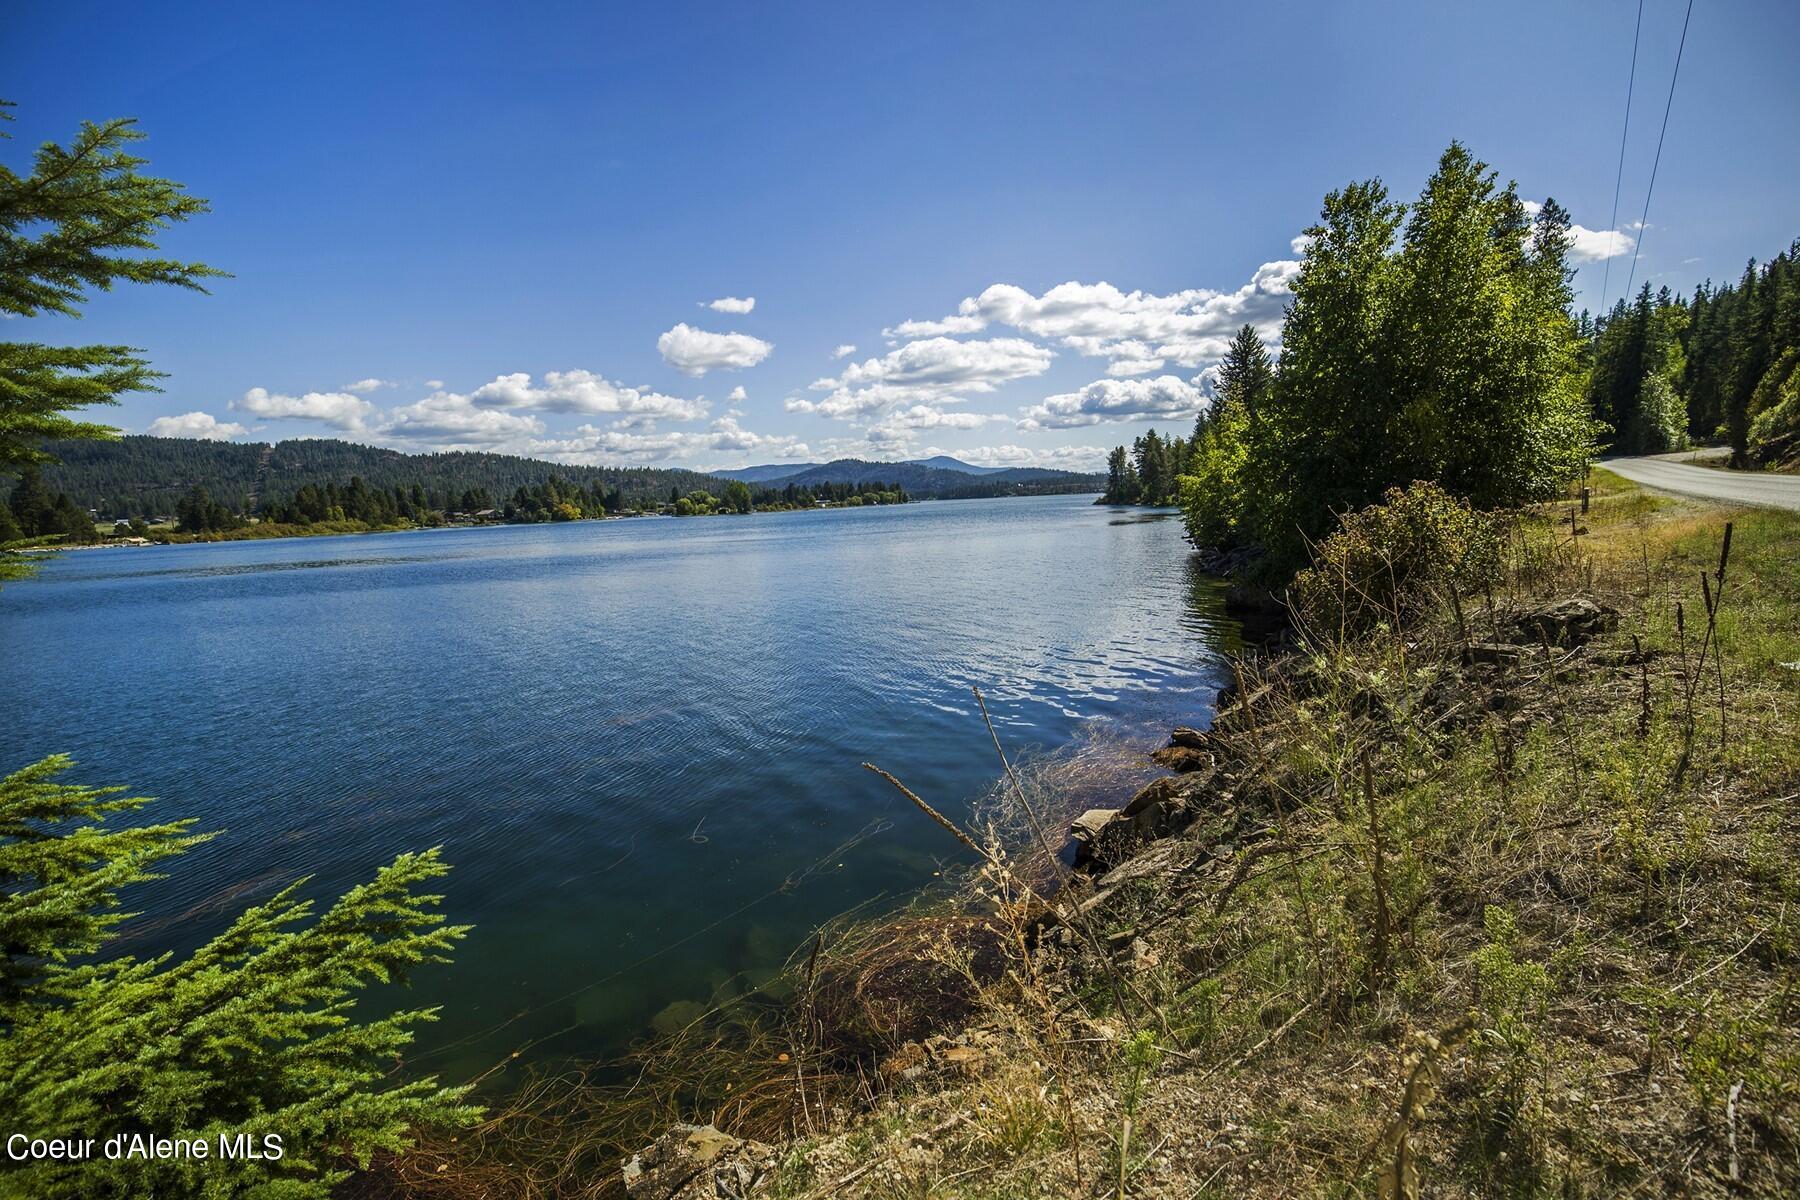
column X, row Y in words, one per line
column 1181, row 759
column 1088, row 829
column 696, row 1162
column 1569, row 622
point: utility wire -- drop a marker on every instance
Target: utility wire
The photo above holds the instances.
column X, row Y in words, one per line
column 1644, row 221
column 1619, row 177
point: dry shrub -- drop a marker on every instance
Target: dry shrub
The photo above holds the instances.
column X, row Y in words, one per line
column 906, row 980
column 1388, row 561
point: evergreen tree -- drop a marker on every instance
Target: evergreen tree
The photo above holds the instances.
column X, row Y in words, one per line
column 252, row 1034
column 32, row 506
column 75, row 223
column 1246, row 373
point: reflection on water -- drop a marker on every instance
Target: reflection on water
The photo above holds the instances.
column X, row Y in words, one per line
column 638, row 741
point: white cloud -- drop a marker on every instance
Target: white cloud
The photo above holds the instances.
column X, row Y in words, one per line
column 436, row 385
column 920, row 416
column 738, row 395
column 724, row 436
column 202, row 426
column 1134, row 357
column 1596, row 245
column 585, row 393
column 844, row 350
column 697, row 351
column 1592, row 245
column 1055, row 458
column 1139, row 331
column 340, row 410
column 966, row 323
column 448, row 419
column 365, row 386
column 732, row 304
column 933, row 371
column 1162, row 398
column 896, row 429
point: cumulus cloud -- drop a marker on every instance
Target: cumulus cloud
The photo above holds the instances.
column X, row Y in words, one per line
column 202, row 426
column 452, row 419
column 1139, row 331
column 932, row 371
column 897, row 428
column 341, row 410
column 732, row 304
column 724, row 436
column 962, row 323
column 1163, row 398
column 697, row 351
column 585, row 393
column 738, row 395
column 365, row 386
column 844, row 350
column 1593, row 245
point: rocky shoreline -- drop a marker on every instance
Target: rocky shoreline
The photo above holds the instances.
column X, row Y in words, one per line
column 1194, row 835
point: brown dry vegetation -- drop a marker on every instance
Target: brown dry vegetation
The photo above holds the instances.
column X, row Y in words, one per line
column 1451, row 911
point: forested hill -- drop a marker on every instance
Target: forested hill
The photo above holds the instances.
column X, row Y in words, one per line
column 920, row 480
column 146, row 476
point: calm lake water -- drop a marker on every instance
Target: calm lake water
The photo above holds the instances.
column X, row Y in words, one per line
column 638, row 741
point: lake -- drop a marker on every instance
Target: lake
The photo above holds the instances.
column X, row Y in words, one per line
column 639, row 741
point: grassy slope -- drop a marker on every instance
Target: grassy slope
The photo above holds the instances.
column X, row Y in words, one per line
column 1587, row 986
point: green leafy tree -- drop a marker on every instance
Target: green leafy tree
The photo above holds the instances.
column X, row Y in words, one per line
column 737, row 496
column 83, row 220
column 1212, row 488
column 1450, row 357
column 251, row 1034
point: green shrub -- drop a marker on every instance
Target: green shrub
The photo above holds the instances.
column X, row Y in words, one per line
column 1392, row 557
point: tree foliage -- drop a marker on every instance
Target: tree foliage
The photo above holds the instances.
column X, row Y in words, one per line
column 254, row 1033
column 1429, row 341
column 83, row 220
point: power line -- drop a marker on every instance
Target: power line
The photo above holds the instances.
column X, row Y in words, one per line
column 1618, row 178
column 1644, row 221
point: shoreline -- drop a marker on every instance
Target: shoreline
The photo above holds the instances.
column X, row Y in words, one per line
column 203, row 539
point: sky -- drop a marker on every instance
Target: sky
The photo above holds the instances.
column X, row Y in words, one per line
column 711, row 235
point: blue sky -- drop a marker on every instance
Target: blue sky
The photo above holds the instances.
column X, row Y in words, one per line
column 1034, row 222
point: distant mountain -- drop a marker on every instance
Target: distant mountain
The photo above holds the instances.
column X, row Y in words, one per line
column 944, row 462
column 766, row 472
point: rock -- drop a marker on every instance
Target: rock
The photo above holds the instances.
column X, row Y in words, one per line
column 1159, row 809
column 1088, row 829
column 696, row 1162
column 1569, row 622
column 1181, row 759
column 677, row 1016
column 1192, row 739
